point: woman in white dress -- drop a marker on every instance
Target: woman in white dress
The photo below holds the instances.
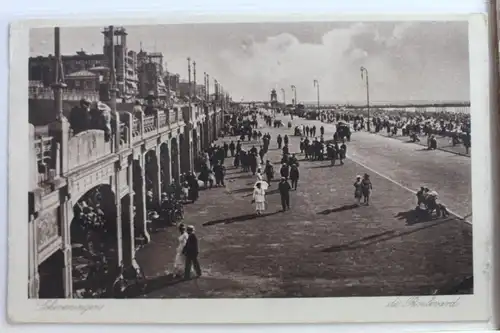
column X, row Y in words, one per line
column 180, row 259
column 259, row 198
column 259, row 175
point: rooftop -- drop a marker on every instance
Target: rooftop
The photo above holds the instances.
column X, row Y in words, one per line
column 83, row 73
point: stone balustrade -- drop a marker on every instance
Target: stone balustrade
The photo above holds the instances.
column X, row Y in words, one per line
column 56, row 156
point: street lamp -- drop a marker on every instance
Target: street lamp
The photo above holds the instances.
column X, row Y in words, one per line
column 316, row 84
column 208, row 88
column 194, row 80
column 205, row 84
column 364, row 73
column 189, row 78
column 294, row 89
column 216, row 90
column 284, row 97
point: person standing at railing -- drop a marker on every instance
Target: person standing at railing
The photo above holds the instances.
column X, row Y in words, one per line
column 150, row 107
column 137, row 110
column 101, row 118
column 79, row 117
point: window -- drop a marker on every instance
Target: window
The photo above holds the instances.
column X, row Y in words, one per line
column 77, row 84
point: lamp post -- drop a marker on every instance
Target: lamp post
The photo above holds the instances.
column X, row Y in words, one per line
column 284, row 96
column 113, row 89
column 294, row 89
column 194, row 80
column 205, row 84
column 316, row 84
column 364, row 74
column 189, row 79
column 208, row 87
column 168, row 88
column 58, row 84
column 216, row 88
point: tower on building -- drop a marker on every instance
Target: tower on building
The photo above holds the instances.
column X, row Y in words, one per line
column 120, row 50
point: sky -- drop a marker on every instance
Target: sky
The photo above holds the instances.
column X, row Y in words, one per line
column 406, row 61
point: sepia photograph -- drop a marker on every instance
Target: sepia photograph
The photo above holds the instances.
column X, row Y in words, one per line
column 313, row 159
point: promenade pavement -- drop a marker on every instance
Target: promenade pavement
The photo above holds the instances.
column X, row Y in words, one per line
column 323, row 247
column 409, row 164
column 443, row 143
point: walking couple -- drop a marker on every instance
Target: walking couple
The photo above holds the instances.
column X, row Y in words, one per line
column 186, row 256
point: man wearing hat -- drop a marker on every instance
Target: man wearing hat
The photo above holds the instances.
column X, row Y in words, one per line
column 191, row 252
column 284, row 171
column 150, row 99
column 284, row 188
column 294, row 176
column 79, row 117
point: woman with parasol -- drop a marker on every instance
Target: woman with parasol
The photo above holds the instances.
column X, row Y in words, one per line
column 259, row 196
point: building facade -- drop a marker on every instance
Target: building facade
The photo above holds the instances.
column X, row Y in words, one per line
column 83, row 80
column 65, row 168
column 151, row 75
column 41, row 68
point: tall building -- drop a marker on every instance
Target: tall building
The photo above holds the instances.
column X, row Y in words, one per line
column 172, row 81
column 125, row 61
column 42, row 68
column 151, row 72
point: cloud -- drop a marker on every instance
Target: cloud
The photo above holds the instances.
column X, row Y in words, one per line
column 406, row 61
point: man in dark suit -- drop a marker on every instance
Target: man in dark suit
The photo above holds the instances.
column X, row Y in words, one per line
column 191, row 252
column 284, row 188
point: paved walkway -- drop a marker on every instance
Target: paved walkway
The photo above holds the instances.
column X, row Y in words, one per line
column 443, row 143
column 323, row 247
column 411, row 165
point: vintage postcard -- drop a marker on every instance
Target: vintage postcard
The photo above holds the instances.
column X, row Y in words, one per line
column 255, row 170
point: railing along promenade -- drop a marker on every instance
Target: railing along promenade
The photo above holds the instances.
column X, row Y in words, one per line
column 88, row 147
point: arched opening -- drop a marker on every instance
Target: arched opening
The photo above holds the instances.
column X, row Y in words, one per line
column 151, row 172
column 165, row 175
column 51, row 272
column 174, row 153
column 94, row 243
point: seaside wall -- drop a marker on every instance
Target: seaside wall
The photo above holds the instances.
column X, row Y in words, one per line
column 42, row 111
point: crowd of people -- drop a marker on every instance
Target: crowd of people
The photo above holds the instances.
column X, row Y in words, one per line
column 455, row 126
column 250, row 156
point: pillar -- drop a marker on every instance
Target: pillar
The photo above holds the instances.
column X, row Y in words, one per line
column 118, row 203
column 65, row 216
column 140, row 216
column 128, row 222
column 186, row 150
column 33, row 276
column 157, row 176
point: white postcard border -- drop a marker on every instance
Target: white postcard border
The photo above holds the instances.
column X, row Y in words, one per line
column 286, row 310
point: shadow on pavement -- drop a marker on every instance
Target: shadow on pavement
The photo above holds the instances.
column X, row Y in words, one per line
column 273, row 191
column 245, row 176
column 242, row 190
column 240, row 218
column 161, row 282
column 414, row 216
column 338, row 209
column 378, row 238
